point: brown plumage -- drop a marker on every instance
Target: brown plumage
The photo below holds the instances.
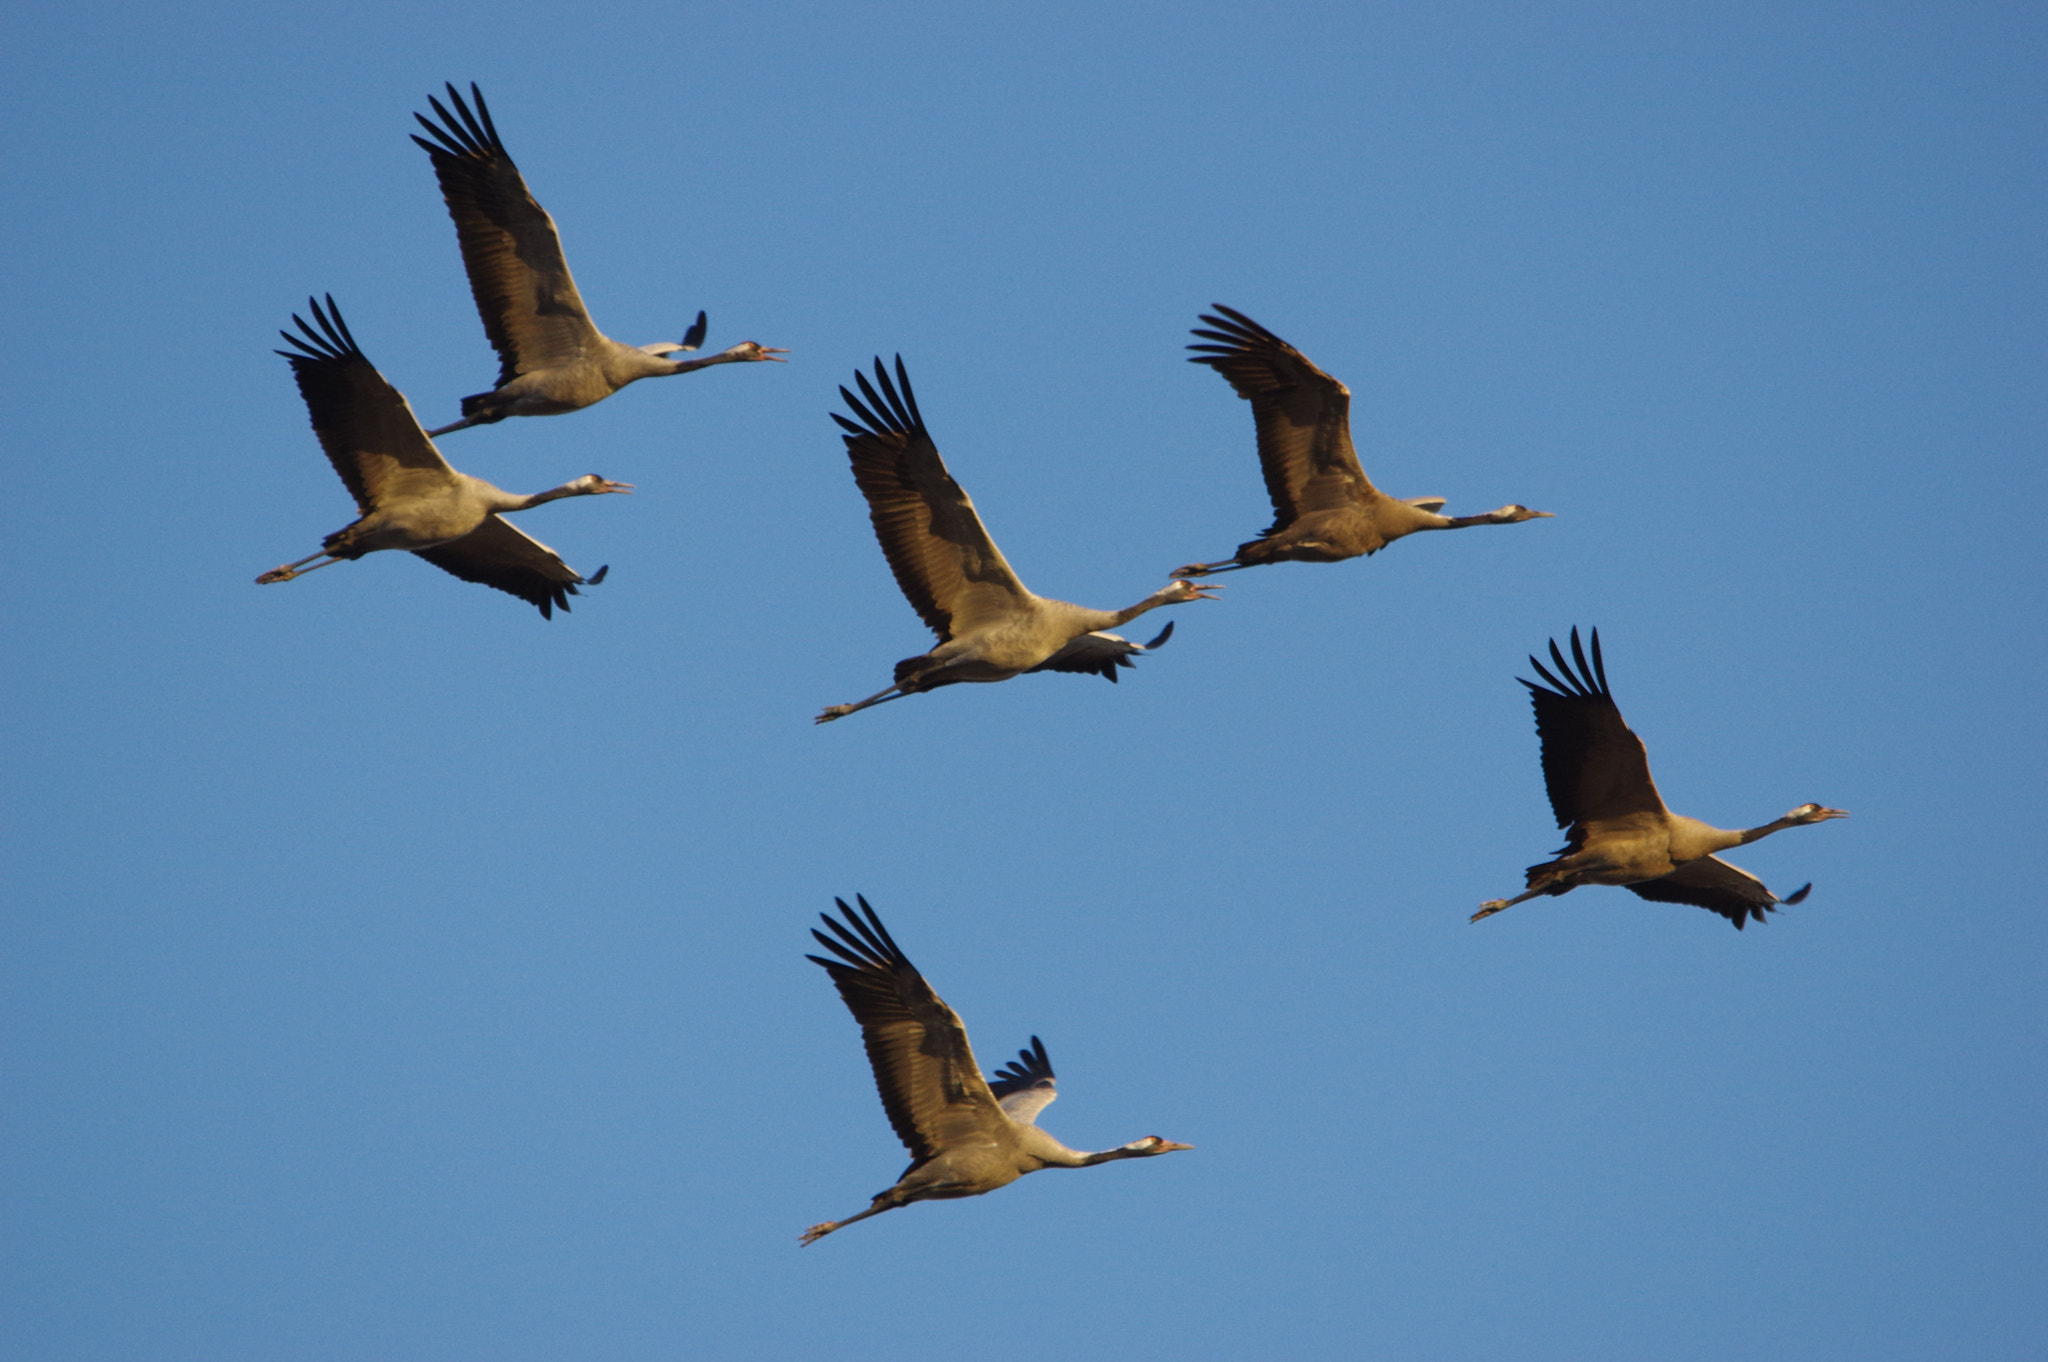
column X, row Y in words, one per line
column 1598, row 777
column 408, row 496
column 552, row 358
column 1324, row 507
column 990, row 626
column 965, row 1135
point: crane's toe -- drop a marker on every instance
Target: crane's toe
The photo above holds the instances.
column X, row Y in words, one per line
column 817, row 1232
column 1489, row 908
column 834, row 712
column 278, row 574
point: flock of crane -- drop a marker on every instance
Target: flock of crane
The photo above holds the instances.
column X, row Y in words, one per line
column 966, row 1134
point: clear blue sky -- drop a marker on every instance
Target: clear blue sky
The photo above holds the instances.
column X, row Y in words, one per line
column 391, row 974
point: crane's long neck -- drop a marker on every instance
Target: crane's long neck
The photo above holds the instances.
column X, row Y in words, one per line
column 567, row 489
column 1164, row 596
column 1748, row 835
column 1050, row 1152
column 1691, row 839
column 1059, row 1156
column 588, row 485
column 744, row 351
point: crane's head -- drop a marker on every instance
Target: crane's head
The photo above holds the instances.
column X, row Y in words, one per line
column 1814, row 813
column 1182, row 590
column 752, row 350
column 591, row 484
column 1513, row 512
column 1150, row 1145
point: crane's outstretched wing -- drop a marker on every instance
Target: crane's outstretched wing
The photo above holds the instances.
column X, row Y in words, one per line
column 365, row 425
column 924, row 1068
column 1024, row 1086
column 530, row 308
column 498, row 553
column 947, row 566
column 1719, row 887
column 1593, row 766
column 1099, row 653
column 1302, row 414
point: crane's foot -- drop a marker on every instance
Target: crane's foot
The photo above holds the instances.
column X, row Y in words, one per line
column 817, row 1232
column 835, row 712
column 281, row 574
column 1489, row 908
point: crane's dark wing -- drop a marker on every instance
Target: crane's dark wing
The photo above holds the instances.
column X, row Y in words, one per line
column 1593, row 766
column 1099, row 653
column 1717, row 886
column 1024, row 1087
column 950, row 570
column 530, row 308
column 924, row 1068
column 497, row 553
column 1302, row 414
column 365, row 425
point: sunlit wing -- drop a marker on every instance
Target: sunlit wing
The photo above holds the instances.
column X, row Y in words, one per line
column 365, row 425
column 530, row 308
column 1303, row 417
column 924, row 1068
column 947, row 566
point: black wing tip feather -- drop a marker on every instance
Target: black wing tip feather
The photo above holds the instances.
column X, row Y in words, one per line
column 1588, row 681
column 462, row 135
column 1234, row 334
column 886, row 412
column 861, row 945
column 331, row 343
column 1029, row 1067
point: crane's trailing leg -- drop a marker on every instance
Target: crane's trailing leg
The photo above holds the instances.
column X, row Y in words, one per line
column 1492, row 906
column 1208, row 569
column 473, row 414
column 879, row 698
column 911, row 682
column 817, row 1232
column 298, row 569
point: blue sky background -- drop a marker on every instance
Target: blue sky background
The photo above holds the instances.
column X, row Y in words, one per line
column 389, row 973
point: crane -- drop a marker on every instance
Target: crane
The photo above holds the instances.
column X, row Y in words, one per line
column 1324, row 507
column 552, row 358
column 966, row 1135
column 990, row 626
column 1598, row 776
column 408, row 496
